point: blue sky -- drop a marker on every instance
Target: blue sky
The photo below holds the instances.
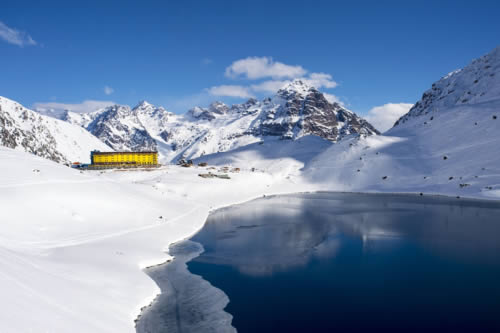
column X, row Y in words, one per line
column 184, row 53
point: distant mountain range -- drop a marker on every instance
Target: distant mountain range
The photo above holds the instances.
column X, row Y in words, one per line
column 295, row 111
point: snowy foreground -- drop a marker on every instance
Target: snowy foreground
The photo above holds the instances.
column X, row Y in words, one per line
column 73, row 244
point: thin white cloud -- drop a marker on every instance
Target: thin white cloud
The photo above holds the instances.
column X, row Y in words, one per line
column 320, row 80
column 230, row 91
column 262, row 67
column 84, row 107
column 108, row 90
column 270, row 86
column 268, row 76
column 317, row 80
column 383, row 117
column 14, row 36
column 280, row 74
column 333, row 99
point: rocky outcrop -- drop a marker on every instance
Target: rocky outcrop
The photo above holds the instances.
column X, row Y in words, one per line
column 305, row 111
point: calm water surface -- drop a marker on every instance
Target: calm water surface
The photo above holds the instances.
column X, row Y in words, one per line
column 335, row 262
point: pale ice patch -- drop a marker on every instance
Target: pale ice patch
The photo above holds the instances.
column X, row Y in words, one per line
column 187, row 302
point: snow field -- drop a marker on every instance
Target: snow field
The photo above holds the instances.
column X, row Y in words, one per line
column 74, row 244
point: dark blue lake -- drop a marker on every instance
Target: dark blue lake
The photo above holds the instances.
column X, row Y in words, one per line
column 336, row 262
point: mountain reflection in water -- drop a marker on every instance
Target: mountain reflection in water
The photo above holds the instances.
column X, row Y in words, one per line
column 275, row 234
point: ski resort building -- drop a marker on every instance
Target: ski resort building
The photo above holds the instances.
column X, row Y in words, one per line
column 126, row 159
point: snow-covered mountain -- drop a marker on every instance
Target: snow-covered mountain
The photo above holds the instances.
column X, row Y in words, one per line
column 449, row 142
column 23, row 129
column 477, row 83
column 295, row 111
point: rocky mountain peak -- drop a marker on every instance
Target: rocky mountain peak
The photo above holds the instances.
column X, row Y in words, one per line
column 143, row 105
column 296, row 87
column 303, row 110
column 146, row 109
column 214, row 110
column 218, row 107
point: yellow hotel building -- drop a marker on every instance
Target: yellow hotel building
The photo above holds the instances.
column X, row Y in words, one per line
column 126, row 158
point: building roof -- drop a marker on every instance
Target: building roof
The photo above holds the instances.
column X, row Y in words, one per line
column 122, row 152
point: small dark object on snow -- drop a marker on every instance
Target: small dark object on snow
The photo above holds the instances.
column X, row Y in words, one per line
column 203, row 164
column 361, row 158
column 425, row 177
column 475, row 124
column 458, row 197
column 450, row 178
column 213, row 175
column 489, row 187
column 359, row 170
column 494, row 117
column 206, row 175
column 432, row 118
column 464, row 185
column 421, row 194
column 160, row 217
column 445, row 157
column 385, row 177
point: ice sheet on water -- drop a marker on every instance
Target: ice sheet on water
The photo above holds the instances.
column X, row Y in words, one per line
column 187, row 302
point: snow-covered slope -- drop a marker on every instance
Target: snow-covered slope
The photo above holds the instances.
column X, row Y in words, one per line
column 448, row 143
column 60, row 141
column 477, row 83
column 281, row 158
column 295, row 111
column 73, row 245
